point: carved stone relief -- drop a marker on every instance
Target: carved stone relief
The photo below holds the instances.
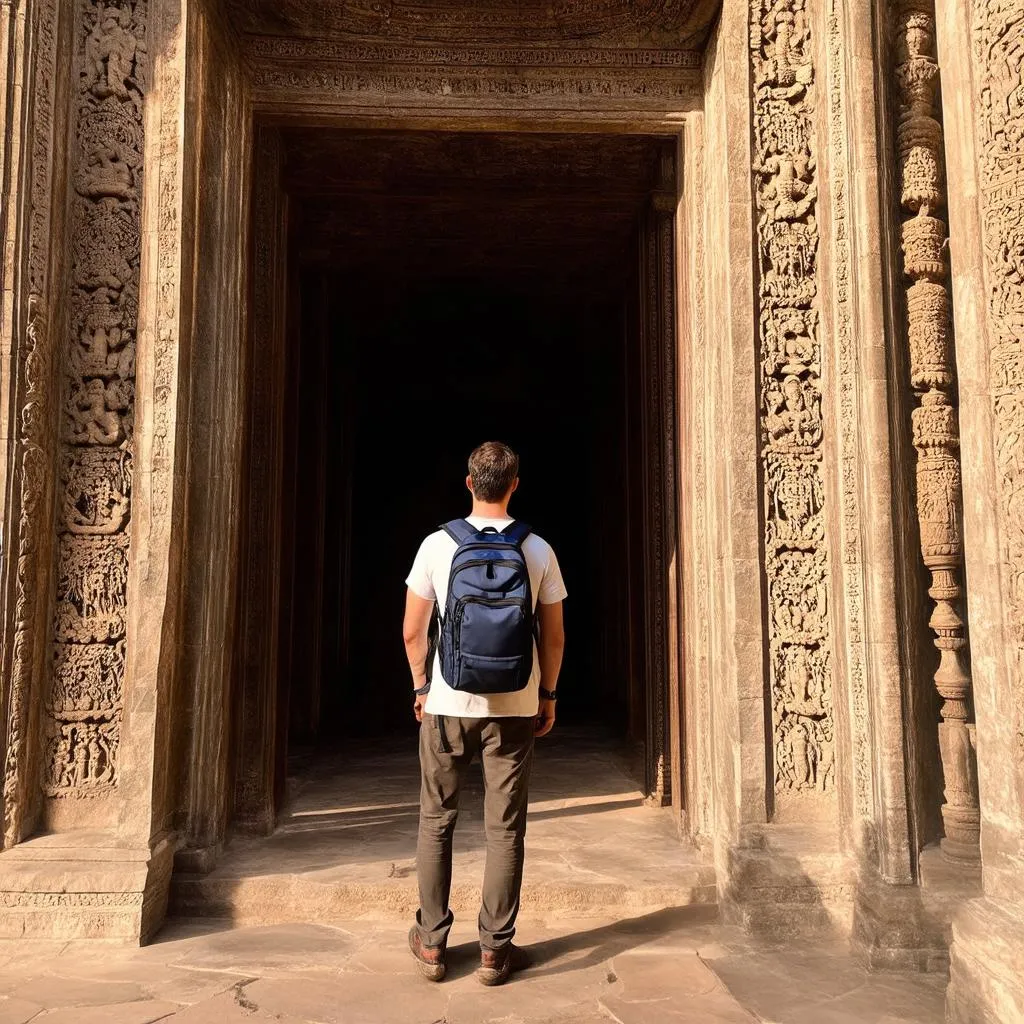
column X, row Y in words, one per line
column 85, row 696
column 919, row 145
column 33, row 457
column 998, row 40
column 796, row 556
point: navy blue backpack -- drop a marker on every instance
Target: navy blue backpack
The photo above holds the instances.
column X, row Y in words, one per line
column 486, row 635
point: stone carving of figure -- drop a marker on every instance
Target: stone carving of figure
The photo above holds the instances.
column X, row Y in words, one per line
column 60, row 768
column 791, row 419
column 803, row 755
column 790, row 193
column 110, row 54
column 106, row 350
column 94, row 414
column 105, row 174
column 798, row 596
column 787, row 68
column 795, row 347
column 80, row 770
column 100, row 510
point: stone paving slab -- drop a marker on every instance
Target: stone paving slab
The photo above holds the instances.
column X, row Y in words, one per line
column 673, row 966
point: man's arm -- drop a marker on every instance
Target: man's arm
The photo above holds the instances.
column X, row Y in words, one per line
column 551, row 646
column 414, row 630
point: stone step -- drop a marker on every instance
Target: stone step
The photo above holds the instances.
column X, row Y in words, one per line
column 282, row 899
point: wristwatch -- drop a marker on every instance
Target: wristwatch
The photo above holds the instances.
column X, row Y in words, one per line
column 425, row 688
column 547, row 694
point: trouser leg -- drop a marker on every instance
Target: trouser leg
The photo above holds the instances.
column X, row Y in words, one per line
column 440, row 778
column 507, row 754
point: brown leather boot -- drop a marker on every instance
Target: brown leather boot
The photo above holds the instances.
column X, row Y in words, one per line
column 429, row 959
column 497, row 964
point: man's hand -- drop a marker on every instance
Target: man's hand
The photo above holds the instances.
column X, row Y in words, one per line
column 418, row 706
column 545, row 720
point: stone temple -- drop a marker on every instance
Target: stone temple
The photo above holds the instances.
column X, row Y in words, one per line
column 742, row 281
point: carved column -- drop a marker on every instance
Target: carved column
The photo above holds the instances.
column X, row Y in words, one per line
column 981, row 52
column 257, row 705
column 796, row 553
column 659, row 432
column 85, row 698
column 31, row 80
column 919, row 141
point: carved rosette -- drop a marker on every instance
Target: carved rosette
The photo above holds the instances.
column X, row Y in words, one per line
column 998, row 39
column 919, row 146
column 796, row 555
column 85, row 696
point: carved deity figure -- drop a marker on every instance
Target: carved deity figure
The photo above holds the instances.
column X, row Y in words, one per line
column 110, row 54
column 104, row 173
column 791, row 418
column 798, row 596
column 787, row 69
column 95, row 416
column 106, row 350
column 802, row 754
column 790, row 193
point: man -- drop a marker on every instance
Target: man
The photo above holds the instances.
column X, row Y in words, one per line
column 457, row 725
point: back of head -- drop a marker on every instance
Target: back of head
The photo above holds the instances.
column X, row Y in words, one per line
column 493, row 469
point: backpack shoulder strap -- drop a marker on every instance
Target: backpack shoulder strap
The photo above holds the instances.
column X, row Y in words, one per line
column 459, row 530
column 517, row 532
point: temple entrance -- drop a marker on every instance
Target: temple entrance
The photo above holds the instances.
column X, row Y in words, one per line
column 442, row 289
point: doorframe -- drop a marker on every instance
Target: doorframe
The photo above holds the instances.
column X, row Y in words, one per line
column 258, row 746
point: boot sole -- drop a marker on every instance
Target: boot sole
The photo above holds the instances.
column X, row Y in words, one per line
column 490, row 977
column 432, row 972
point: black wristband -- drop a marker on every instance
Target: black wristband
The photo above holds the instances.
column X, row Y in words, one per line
column 548, row 694
column 425, row 688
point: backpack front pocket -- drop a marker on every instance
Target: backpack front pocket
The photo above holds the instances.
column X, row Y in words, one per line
column 480, row 674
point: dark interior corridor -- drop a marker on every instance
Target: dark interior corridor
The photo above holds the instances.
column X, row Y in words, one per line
column 445, row 289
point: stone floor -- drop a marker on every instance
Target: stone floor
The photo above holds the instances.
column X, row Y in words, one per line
column 666, row 967
column 346, row 841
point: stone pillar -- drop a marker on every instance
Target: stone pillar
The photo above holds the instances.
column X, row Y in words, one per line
column 797, row 565
column 833, row 807
column 658, row 334
column 935, row 428
column 981, row 53
column 257, row 704
column 33, row 77
column 108, row 763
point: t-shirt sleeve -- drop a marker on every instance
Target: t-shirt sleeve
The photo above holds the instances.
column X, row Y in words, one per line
column 418, row 580
column 552, row 586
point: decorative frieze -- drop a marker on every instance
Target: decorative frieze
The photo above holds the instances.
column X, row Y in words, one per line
column 919, row 145
column 796, row 554
column 85, row 696
column 998, row 40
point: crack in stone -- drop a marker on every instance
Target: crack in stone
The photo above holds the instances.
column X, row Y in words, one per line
column 240, row 997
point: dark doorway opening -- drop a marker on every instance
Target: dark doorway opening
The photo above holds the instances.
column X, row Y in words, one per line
column 445, row 289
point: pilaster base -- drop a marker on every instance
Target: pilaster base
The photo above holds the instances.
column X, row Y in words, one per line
column 908, row 927
column 986, row 982
column 84, row 885
column 788, row 881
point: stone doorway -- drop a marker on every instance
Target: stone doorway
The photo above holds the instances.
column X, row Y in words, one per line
column 397, row 276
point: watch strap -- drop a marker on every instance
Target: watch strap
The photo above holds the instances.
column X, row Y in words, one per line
column 548, row 694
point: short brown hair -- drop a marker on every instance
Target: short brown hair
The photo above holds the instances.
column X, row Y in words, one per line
column 493, row 467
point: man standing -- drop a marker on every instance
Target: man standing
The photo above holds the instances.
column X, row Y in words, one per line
column 488, row 705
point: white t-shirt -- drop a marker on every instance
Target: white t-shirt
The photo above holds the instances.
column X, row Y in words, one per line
column 429, row 579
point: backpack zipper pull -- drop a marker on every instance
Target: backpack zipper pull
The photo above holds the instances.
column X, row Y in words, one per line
column 490, row 570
